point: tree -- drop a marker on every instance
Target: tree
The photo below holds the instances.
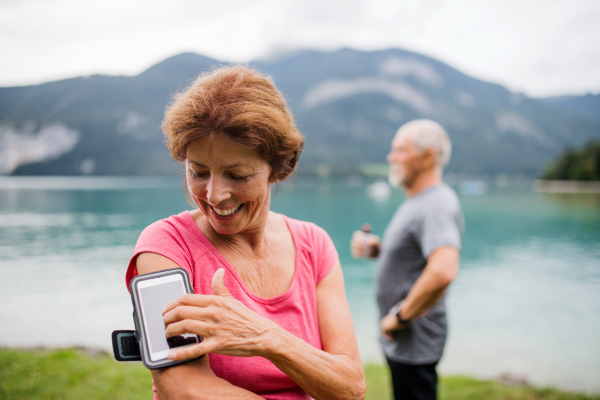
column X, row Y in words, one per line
column 577, row 164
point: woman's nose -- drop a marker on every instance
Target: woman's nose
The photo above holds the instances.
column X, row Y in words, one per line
column 217, row 191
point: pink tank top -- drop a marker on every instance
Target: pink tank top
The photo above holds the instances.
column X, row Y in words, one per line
column 180, row 240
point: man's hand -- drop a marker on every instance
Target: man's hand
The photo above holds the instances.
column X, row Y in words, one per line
column 389, row 325
column 441, row 269
column 363, row 245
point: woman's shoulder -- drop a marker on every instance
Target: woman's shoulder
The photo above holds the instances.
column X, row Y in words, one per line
column 306, row 231
column 177, row 221
column 180, row 225
column 173, row 238
column 314, row 239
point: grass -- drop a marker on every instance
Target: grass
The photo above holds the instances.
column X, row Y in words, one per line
column 70, row 374
column 465, row 388
column 76, row 374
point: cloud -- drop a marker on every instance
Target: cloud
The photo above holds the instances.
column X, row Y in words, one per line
column 536, row 46
column 335, row 89
column 24, row 146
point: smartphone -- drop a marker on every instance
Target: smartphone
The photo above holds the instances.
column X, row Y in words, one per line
column 150, row 294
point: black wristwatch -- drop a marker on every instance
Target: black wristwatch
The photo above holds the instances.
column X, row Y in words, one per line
column 396, row 311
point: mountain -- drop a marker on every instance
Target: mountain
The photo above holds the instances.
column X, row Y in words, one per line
column 347, row 103
column 586, row 106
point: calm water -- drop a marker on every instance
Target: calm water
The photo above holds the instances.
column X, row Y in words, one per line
column 527, row 300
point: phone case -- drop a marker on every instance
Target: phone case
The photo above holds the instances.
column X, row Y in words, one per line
column 141, row 334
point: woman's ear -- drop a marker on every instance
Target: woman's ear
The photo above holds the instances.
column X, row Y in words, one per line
column 273, row 178
column 286, row 169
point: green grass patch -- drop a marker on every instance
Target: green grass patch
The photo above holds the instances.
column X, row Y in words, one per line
column 70, row 374
column 74, row 374
column 465, row 388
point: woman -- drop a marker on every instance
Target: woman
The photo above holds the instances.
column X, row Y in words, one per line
column 270, row 299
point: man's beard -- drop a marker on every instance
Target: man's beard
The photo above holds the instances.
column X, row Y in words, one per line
column 396, row 176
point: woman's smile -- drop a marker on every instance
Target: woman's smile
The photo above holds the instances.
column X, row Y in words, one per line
column 226, row 212
column 229, row 183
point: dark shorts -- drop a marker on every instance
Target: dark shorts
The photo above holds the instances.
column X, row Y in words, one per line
column 413, row 382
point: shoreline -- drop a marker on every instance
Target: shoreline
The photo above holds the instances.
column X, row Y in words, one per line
column 553, row 186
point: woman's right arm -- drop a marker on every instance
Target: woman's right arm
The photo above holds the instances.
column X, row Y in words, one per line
column 193, row 380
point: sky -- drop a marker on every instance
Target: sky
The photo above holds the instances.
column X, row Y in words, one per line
column 537, row 47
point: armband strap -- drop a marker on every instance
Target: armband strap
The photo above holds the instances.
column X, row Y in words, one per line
column 126, row 346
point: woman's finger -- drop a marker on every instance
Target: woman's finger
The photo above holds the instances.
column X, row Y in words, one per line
column 187, row 352
column 218, row 286
column 196, row 350
column 180, row 313
column 197, row 300
column 189, row 326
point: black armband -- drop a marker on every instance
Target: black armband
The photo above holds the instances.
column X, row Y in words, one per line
column 126, row 346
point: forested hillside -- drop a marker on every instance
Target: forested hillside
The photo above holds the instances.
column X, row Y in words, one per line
column 347, row 103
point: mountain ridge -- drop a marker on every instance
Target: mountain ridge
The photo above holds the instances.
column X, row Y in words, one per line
column 348, row 104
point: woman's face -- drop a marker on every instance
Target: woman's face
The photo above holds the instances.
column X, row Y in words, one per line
column 229, row 183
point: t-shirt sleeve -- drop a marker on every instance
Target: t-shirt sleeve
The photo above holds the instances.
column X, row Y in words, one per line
column 441, row 227
column 164, row 239
column 326, row 256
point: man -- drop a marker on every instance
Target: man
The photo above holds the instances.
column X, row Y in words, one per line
column 417, row 260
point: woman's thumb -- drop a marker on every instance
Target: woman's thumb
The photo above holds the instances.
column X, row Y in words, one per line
column 217, row 284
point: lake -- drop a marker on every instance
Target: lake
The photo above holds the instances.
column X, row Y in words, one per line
column 526, row 302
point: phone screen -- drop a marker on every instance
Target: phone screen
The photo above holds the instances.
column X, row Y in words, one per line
column 154, row 295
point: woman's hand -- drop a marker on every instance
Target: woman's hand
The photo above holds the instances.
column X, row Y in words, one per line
column 226, row 325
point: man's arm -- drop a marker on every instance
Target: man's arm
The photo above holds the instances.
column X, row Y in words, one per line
column 441, row 269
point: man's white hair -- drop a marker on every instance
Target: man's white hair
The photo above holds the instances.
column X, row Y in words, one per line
column 427, row 134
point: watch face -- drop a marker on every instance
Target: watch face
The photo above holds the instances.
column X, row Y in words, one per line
column 396, row 308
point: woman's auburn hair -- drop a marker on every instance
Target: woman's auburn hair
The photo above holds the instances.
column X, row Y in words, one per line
column 244, row 106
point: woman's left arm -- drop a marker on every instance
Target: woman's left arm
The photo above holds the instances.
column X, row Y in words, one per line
column 229, row 327
column 335, row 372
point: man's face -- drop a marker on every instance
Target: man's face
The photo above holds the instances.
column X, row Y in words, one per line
column 406, row 161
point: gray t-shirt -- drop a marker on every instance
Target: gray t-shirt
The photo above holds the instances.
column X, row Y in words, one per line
column 422, row 224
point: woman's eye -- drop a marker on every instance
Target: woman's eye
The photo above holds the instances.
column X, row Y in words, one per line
column 238, row 177
column 198, row 174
